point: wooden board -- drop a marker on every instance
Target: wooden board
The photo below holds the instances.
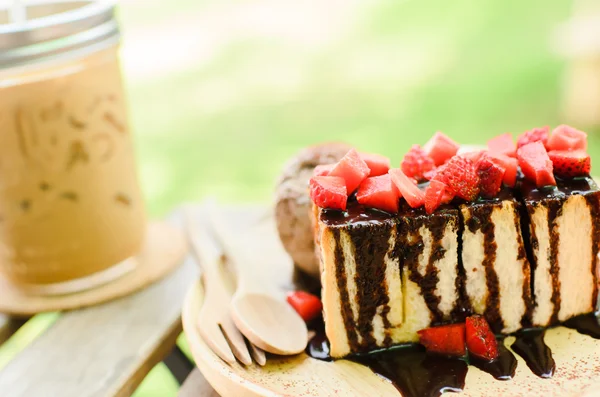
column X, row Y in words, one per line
column 577, row 356
column 105, row 350
column 162, row 252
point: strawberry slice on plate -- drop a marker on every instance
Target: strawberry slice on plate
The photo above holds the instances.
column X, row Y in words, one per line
column 408, row 188
column 565, row 137
column 570, row 163
column 378, row 164
column 460, row 175
column 448, row 340
column 491, row 176
column 352, row 168
column 535, row 164
column 440, row 148
column 434, row 194
column 306, row 305
column 503, row 144
column 328, row 192
column 416, row 163
column 323, row 169
column 539, row 134
column 481, row 341
column 379, row 192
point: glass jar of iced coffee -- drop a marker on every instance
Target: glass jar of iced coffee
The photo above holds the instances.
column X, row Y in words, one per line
column 71, row 212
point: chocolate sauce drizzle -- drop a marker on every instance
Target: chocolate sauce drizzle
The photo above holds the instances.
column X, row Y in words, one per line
column 480, row 220
column 342, row 285
column 537, row 355
column 415, row 373
column 409, row 246
column 370, row 248
column 554, row 211
column 502, row 368
column 593, row 203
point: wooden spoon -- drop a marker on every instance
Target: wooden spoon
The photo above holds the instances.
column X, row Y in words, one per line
column 257, row 307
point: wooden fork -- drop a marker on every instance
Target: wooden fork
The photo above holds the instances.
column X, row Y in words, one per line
column 214, row 322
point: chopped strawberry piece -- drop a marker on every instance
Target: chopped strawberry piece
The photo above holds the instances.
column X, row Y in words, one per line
column 440, row 148
column 429, row 175
column 490, row 176
column 379, row 192
column 446, row 339
column 510, row 166
column 474, row 156
column 328, row 192
column 353, row 169
column 565, row 137
column 323, row 169
column 408, row 188
column 306, row 305
column 535, row 164
column 433, row 195
column 417, row 163
column 537, row 134
column 503, row 144
column 460, row 175
column 570, row 163
column 481, row 341
column 378, row 164
column 447, row 197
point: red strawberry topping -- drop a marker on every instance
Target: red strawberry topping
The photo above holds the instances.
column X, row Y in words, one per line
column 328, row 192
column 440, row 148
column 379, row 192
column 490, row 176
column 460, row 175
column 447, row 197
column 535, row 135
column 408, row 188
column 565, row 137
column 535, row 164
column 570, row 163
column 503, row 144
column 510, row 166
column 378, row 164
column 474, row 155
column 481, row 341
column 433, row 195
column 429, row 175
column 448, row 340
column 323, row 169
column 353, row 169
column 417, row 163
column 306, row 305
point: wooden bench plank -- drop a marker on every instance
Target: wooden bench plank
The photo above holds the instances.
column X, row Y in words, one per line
column 9, row 325
column 196, row 386
column 103, row 351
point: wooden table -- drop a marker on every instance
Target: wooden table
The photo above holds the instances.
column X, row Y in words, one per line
column 106, row 350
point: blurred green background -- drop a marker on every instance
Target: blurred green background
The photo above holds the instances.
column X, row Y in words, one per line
column 222, row 93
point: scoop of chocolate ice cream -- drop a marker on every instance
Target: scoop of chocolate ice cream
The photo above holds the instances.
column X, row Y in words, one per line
column 293, row 204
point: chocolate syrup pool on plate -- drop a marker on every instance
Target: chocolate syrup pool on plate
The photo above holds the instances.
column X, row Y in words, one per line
column 414, row 373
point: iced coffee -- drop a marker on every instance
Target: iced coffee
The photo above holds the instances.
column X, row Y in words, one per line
column 70, row 205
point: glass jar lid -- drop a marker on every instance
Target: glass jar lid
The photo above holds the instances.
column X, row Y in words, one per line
column 46, row 29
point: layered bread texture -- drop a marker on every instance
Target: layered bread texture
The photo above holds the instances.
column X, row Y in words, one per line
column 385, row 276
column 526, row 257
column 563, row 229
